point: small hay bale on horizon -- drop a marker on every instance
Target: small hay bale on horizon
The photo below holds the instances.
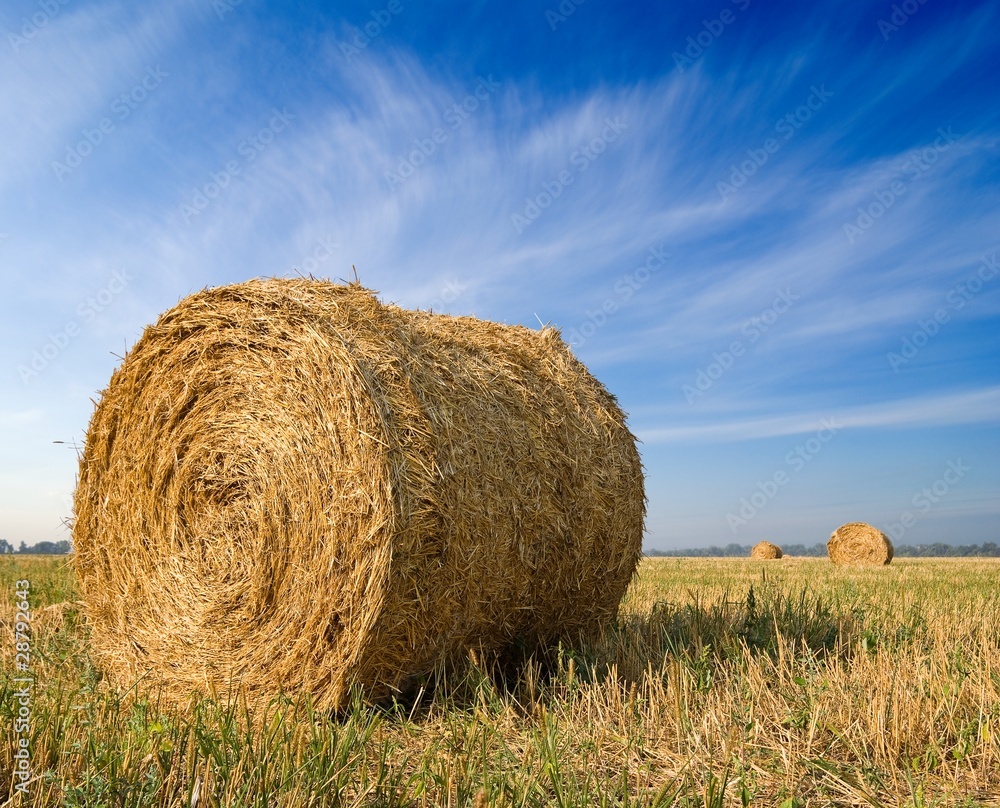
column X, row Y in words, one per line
column 765, row 551
column 288, row 485
column 859, row 543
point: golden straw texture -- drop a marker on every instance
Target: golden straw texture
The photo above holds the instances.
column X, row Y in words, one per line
column 765, row 550
column 859, row 543
column 289, row 485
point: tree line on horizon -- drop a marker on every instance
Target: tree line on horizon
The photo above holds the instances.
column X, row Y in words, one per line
column 42, row 548
column 936, row 550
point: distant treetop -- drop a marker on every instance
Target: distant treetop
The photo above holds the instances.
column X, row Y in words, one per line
column 42, row 548
column 937, row 550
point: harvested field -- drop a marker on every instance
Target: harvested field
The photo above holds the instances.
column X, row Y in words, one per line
column 829, row 686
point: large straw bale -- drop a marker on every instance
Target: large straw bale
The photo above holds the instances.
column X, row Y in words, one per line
column 287, row 484
column 859, row 543
column 765, row 550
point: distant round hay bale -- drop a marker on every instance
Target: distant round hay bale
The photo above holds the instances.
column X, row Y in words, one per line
column 289, row 485
column 765, row 550
column 859, row 543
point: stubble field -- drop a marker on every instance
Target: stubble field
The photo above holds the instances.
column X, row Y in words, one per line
column 725, row 682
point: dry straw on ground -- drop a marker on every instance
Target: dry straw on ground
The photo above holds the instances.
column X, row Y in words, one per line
column 859, row 543
column 765, row 550
column 288, row 484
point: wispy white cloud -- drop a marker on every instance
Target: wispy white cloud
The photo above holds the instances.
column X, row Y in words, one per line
column 978, row 406
column 65, row 78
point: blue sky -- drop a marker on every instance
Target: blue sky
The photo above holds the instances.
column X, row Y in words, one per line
column 771, row 231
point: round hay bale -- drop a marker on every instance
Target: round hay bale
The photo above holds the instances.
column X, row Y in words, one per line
column 765, row 550
column 859, row 543
column 289, row 485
